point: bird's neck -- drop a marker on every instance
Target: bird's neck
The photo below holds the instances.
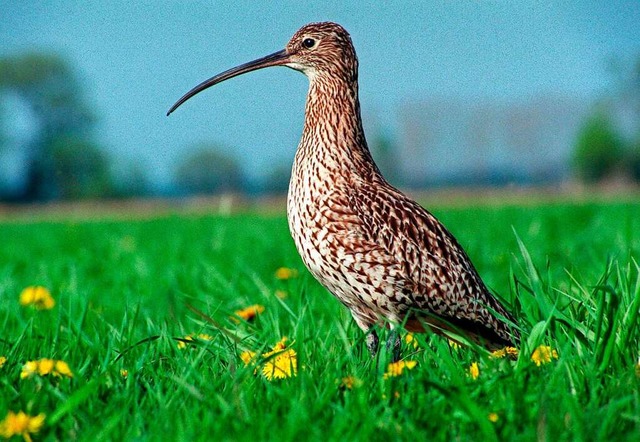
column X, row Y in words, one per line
column 333, row 138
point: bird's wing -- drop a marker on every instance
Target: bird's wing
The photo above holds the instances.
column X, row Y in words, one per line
column 431, row 267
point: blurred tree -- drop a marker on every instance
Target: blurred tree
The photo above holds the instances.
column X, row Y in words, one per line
column 277, row 180
column 385, row 152
column 599, row 148
column 132, row 182
column 626, row 103
column 81, row 168
column 3, row 134
column 626, row 76
column 208, row 170
column 631, row 92
column 51, row 90
column 634, row 159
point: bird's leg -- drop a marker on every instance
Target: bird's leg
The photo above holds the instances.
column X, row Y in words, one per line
column 368, row 328
column 394, row 345
column 372, row 342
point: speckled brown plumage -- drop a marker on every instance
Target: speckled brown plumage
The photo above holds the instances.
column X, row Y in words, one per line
column 388, row 260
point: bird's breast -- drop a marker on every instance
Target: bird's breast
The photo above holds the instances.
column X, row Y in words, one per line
column 328, row 237
column 307, row 214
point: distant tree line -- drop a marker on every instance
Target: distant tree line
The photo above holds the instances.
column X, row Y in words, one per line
column 63, row 161
column 603, row 150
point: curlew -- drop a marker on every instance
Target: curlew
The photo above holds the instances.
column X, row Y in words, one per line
column 387, row 259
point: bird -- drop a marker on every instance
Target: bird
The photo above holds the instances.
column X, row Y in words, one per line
column 381, row 254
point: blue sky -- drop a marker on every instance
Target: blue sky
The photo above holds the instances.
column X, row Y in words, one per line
column 137, row 58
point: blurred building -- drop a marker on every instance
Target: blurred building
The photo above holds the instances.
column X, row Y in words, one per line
column 457, row 142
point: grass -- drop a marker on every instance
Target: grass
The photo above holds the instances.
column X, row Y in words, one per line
column 127, row 291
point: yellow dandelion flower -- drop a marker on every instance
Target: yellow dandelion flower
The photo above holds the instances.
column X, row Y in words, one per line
column 474, row 371
column 247, row 356
column 511, row 352
column 543, row 355
column 21, row 424
column 124, row 373
column 44, row 367
column 182, row 343
column 281, row 345
column 280, row 361
column 395, row 369
column 249, row 313
column 62, row 369
column 411, row 340
column 38, row 297
column 29, row 369
column 280, row 364
column 3, row 360
column 286, row 273
column 350, row 382
column 499, row 354
column 493, row 417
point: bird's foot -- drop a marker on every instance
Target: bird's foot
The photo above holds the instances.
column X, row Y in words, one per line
column 372, row 342
column 394, row 345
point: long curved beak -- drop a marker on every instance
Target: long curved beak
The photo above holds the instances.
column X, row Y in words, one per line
column 276, row 59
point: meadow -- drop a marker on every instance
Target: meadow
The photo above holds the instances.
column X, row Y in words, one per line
column 146, row 320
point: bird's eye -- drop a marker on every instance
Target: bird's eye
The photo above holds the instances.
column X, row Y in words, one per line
column 309, row 43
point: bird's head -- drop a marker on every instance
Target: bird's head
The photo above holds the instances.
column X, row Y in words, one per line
column 319, row 50
column 322, row 49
